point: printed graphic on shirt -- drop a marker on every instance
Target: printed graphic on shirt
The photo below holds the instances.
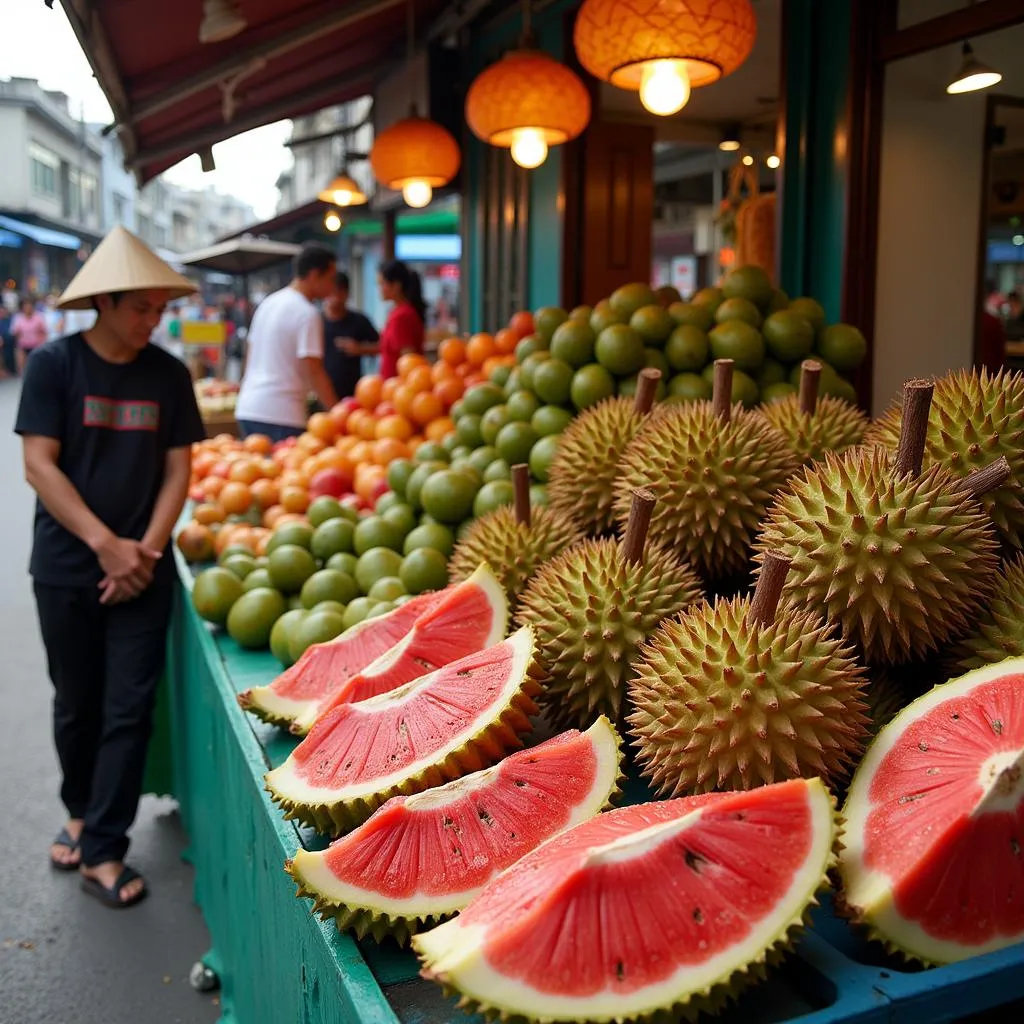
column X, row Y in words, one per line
column 105, row 412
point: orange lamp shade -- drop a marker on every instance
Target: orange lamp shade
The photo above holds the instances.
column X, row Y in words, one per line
column 415, row 149
column 615, row 39
column 527, row 89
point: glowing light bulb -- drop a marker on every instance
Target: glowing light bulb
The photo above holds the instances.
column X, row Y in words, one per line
column 773, row 161
column 748, row 161
column 343, row 197
column 417, row 193
column 528, row 147
column 332, row 222
column 974, row 82
column 664, row 86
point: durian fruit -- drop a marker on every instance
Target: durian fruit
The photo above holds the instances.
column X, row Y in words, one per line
column 899, row 559
column 976, row 418
column 886, row 694
column 591, row 607
column 513, row 541
column 998, row 633
column 581, row 481
column 741, row 693
column 713, row 469
column 814, row 425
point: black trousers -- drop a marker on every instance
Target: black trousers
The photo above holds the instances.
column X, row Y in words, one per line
column 105, row 663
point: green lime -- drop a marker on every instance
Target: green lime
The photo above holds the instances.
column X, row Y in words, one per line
column 424, row 569
column 750, row 283
column 467, row 430
column 620, row 350
column 780, row 300
column 710, row 297
column 552, row 381
column 492, row 496
column 550, row 419
column 499, row 469
column 689, row 314
column 289, row 567
column 811, row 310
column 374, row 565
column 777, row 392
column 515, row 442
column 687, row 349
column 232, row 550
column 478, row 399
column 500, row 375
column 240, row 565
column 261, row 562
column 652, row 323
column 538, row 496
column 590, row 385
column 604, row 316
column 430, row 535
column 448, row 495
column 431, row 451
column 357, row 610
column 547, row 319
column 462, row 451
column 376, row 532
column 482, row 458
column 282, row 633
column 399, row 472
column 654, row 359
column 521, row 406
column 253, row 615
column 297, row 534
column 316, row 628
column 666, row 295
column 344, row 562
column 744, row 389
column 527, row 347
column 455, row 412
column 328, row 585
column 581, row 313
column 332, row 538
column 771, row 372
column 492, row 421
column 541, row 456
column 690, row 387
column 526, row 371
column 419, row 477
column 382, row 608
column 386, row 501
column 738, row 341
column 625, row 301
column 322, row 509
column 387, row 588
column 214, row 592
column 257, row 578
column 402, row 517
column 843, row 346
column 738, row 309
column 294, row 601
column 788, row 335
column 573, row 343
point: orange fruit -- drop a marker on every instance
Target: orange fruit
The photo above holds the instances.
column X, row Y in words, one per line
column 473, row 379
column 361, row 453
column 272, row 514
column 397, row 427
column 235, row 498
column 505, row 341
column 521, row 324
column 292, row 517
column 452, row 351
column 387, row 449
column 212, row 486
column 339, row 417
column 261, row 538
column 368, row 391
column 387, row 392
column 403, row 401
column 369, row 481
column 449, row 391
column 437, row 429
column 202, row 463
column 426, row 406
column 295, row 499
column 441, row 371
column 419, row 379
column 408, row 362
column 310, row 444
column 234, row 533
column 265, row 493
column 367, row 426
column 270, row 469
column 321, row 425
column 208, row 513
column 480, row 348
column 258, row 444
column 244, row 471
column 490, row 365
column 463, row 370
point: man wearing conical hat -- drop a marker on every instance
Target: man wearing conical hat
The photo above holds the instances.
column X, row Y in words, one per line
column 107, row 422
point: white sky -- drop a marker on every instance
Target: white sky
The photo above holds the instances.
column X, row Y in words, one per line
column 39, row 43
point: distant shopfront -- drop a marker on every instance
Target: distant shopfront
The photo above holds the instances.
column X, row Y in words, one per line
column 35, row 259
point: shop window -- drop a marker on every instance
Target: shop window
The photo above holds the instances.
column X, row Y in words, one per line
column 44, row 168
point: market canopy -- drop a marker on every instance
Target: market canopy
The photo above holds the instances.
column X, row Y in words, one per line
column 173, row 95
column 241, row 255
column 41, row 235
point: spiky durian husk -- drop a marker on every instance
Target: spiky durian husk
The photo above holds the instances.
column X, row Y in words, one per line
column 999, row 631
column 513, row 551
column 899, row 563
column 247, row 703
column 713, row 482
column 590, row 612
column 976, row 417
column 835, row 425
column 723, row 703
column 886, row 695
column 582, row 476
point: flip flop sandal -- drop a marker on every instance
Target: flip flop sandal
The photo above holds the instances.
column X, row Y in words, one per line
column 64, row 839
column 112, row 897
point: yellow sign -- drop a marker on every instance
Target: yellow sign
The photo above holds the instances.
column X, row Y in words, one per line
column 199, row 332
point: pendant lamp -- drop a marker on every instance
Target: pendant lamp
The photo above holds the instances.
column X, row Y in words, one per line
column 664, row 48
column 343, row 190
column 527, row 102
column 973, row 75
column 415, row 155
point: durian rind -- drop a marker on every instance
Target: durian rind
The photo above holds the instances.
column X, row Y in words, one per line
column 835, row 425
column 999, row 632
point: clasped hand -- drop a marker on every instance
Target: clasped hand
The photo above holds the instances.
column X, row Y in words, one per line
column 128, row 566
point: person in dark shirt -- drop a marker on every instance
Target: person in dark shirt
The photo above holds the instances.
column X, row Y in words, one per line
column 107, row 421
column 344, row 331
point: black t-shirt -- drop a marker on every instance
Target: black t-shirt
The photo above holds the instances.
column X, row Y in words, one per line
column 115, row 423
column 344, row 370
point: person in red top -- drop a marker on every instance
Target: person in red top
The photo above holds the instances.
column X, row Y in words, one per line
column 405, row 327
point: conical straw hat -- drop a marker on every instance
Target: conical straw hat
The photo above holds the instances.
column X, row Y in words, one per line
column 122, row 263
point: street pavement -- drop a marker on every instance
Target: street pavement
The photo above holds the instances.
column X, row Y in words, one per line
column 64, row 958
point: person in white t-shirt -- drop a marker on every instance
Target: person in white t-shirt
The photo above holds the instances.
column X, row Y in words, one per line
column 284, row 362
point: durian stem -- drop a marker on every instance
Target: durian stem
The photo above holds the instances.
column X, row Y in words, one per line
column 646, row 389
column 721, row 396
column 768, row 591
column 988, row 478
column 636, row 529
column 810, row 380
column 917, row 401
column 521, row 493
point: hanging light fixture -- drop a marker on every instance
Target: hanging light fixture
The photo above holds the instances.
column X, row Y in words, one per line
column 527, row 102
column 731, row 139
column 343, row 190
column 222, row 19
column 415, row 155
column 664, row 49
column 973, row 75
column 773, row 161
column 332, row 221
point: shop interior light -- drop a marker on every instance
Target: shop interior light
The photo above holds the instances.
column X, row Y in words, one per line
column 748, row 160
column 332, row 221
column 773, row 161
column 973, row 75
column 222, row 19
column 344, row 190
column 417, row 193
column 1018, row 239
column 731, row 139
column 664, row 49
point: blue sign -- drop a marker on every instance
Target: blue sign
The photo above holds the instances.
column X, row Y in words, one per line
column 1005, row 252
column 423, row 248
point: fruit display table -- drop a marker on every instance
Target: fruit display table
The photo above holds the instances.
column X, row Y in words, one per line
column 276, row 962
